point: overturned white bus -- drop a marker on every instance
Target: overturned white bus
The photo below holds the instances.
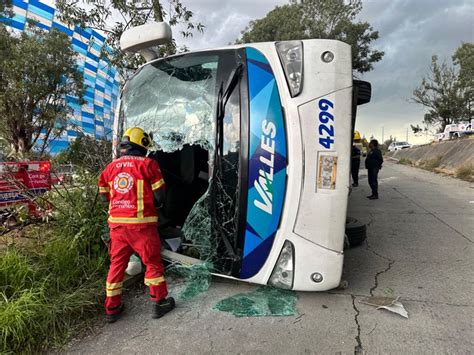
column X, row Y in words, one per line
column 254, row 144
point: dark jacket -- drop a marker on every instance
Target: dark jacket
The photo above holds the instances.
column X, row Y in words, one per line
column 355, row 154
column 374, row 159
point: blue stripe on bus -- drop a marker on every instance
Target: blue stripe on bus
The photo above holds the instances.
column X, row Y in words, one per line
column 265, row 123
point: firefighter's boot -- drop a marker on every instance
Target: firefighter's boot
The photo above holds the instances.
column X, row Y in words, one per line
column 112, row 318
column 162, row 307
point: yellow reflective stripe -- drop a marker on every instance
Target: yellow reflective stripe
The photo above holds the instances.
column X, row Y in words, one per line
column 155, row 281
column 140, row 204
column 103, row 190
column 113, row 285
column 157, row 184
column 133, row 220
column 113, row 292
column 110, row 188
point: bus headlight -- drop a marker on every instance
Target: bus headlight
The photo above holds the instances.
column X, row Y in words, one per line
column 291, row 58
column 283, row 273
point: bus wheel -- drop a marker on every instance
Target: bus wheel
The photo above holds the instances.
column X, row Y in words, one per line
column 356, row 232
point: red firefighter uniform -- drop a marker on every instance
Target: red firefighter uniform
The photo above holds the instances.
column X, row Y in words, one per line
column 129, row 183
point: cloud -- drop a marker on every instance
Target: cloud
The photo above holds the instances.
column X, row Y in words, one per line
column 410, row 33
column 224, row 20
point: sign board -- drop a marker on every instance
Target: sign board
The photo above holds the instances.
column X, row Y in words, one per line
column 22, row 181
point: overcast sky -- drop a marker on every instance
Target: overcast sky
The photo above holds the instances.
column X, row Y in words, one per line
column 411, row 31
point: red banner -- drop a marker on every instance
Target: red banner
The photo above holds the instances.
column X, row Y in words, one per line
column 20, row 182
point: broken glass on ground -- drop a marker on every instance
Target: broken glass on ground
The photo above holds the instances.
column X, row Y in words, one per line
column 190, row 280
column 263, row 302
column 389, row 303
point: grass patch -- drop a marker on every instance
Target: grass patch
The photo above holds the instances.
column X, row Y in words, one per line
column 48, row 289
column 431, row 164
column 405, row 161
column 465, row 172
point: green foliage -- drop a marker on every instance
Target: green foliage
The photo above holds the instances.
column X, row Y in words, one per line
column 37, row 70
column 283, row 23
column 115, row 17
column 87, row 153
column 432, row 164
column 465, row 172
column 326, row 19
column 47, row 290
column 448, row 91
column 464, row 58
column 417, row 130
column 405, row 161
column 5, row 8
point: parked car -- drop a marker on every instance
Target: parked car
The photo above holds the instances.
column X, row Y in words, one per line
column 398, row 146
column 63, row 174
column 455, row 131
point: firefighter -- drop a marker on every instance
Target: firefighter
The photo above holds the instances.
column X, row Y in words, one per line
column 355, row 165
column 133, row 187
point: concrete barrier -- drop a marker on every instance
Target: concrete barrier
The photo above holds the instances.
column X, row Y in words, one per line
column 451, row 154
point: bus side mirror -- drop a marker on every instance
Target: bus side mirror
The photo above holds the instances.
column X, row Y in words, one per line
column 363, row 91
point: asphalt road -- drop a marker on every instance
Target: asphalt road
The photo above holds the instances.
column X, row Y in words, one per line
column 419, row 247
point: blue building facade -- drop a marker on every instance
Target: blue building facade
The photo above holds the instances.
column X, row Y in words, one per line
column 95, row 118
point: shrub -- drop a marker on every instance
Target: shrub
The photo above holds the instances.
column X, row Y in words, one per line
column 465, row 172
column 47, row 290
column 87, row 153
column 432, row 163
column 405, row 161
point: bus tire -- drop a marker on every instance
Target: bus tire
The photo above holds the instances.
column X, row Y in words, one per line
column 356, row 232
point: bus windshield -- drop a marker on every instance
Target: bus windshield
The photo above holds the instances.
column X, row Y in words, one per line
column 175, row 99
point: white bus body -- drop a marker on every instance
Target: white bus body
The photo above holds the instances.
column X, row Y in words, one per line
column 292, row 154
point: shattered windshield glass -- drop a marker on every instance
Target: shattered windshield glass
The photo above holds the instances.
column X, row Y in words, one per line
column 174, row 98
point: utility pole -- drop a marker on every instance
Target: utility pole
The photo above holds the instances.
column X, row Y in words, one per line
column 407, row 136
column 383, row 141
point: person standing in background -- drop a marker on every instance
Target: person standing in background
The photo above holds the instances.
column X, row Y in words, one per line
column 355, row 165
column 373, row 164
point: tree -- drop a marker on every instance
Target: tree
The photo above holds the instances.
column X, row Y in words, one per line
column 5, row 8
column 326, row 19
column 87, row 153
column 389, row 141
column 464, row 58
column 37, row 70
column 116, row 16
column 446, row 95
